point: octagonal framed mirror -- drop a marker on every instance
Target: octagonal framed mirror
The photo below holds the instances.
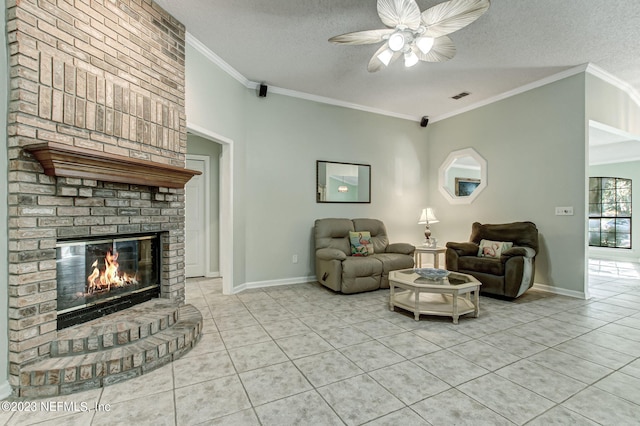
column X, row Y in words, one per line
column 462, row 176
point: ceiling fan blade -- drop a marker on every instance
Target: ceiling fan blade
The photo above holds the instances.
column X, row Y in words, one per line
column 375, row 64
column 450, row 16
column 399, row 12
column 443, row 49
column 362, row 37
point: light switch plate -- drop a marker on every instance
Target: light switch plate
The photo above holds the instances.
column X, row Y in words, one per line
column 564, row 211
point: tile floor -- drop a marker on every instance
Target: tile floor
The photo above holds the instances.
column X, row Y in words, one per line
column 301, row 355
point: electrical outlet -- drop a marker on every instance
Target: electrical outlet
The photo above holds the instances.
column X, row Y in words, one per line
column 564, row 211
column 294, row 259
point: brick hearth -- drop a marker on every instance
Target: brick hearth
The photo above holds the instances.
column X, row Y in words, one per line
column 103, row 75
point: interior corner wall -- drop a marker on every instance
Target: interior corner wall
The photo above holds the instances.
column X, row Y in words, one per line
column 5, row 389
column 215, row 102
column 627, row 170
column 611, row 105
column 285, row 138
column 534, row 144
column 277, row 141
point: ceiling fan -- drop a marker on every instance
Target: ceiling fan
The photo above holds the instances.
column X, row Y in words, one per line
column 416, row 36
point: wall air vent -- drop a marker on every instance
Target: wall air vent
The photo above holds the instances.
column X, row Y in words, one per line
column 460, row 95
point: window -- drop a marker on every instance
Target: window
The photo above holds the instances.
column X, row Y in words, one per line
column 610, row 212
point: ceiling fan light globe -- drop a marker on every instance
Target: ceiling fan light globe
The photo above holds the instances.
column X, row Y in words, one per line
column 385, row 56
column 410, row 59
column 396, row 42
column 425, row 44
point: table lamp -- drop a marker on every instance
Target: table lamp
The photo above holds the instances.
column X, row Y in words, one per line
column 426, row 217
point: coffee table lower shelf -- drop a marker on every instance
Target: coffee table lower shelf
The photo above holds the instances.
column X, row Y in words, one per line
column 434, row 304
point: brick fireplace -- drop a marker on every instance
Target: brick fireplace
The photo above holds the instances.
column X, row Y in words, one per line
column 96, row 146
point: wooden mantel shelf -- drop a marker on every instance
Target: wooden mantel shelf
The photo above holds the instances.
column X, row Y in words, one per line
column 69, row 161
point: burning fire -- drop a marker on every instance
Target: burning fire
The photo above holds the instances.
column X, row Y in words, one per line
column 110, row 277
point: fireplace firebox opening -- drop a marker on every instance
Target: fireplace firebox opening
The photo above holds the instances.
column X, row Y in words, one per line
column 99, row 276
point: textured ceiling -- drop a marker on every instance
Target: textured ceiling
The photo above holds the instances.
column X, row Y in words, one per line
column 517, row 42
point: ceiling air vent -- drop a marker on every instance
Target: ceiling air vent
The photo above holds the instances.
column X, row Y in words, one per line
column 460, row 95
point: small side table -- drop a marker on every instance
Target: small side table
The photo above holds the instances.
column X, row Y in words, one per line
column 435, row 251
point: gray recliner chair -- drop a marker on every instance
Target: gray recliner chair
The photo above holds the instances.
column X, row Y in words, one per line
column 337, row 269
column 510, row 274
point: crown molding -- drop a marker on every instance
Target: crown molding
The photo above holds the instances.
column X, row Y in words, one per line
column 596, row 71
column 204, row 50
column 588, row 67
column 534, row 85
column 200, row 47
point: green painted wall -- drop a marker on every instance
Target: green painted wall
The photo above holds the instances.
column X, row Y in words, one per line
column 277, row 141
column 534, row 144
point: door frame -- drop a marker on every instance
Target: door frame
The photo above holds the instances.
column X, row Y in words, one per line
column 207, row 210
column 226, row 246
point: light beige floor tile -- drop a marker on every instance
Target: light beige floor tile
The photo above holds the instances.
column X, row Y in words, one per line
column 187, row 371
column 274, row 382
column 327, row 367
column 285, row 328
column 244, row 336
column 449, row 367
column 603, row 407
column 572, row 366
column 160, row 380
column 408, row 382
column 543, row 381
column 506, row 398
column 258, row 355
column 139, row 411
column 484, row 355
column 303, row 345
column 241, row 418
column 455, row 408
column 560, row 416
column 371, row 355
column 409, row 345
column 209, row 400
column 512, row 344
column 621, row 385
column 306, row 408
column 359, row 399
column 607, row 357
column 404, row 417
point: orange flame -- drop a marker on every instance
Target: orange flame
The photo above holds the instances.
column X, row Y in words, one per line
column 110, row 277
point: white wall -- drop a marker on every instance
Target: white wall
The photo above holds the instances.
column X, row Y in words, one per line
column 215, row 102
column 277, row 141
column 5, row 389
column 201, row 146
column 534, row 144
column 285, row 137
column 627, row 170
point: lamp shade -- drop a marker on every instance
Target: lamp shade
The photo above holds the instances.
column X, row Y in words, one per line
column 427, row 216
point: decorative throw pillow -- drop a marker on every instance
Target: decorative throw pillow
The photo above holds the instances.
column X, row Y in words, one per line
column 493, row 249
column 361, row 244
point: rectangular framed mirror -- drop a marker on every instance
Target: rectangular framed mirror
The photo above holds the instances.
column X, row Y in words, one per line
column 342, row 182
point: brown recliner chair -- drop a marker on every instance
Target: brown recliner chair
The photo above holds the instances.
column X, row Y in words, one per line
column 337, row 269
column 512, row 273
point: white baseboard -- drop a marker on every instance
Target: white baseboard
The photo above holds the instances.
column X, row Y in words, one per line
column 274, row 283
column 560, row 291
column 5, row 390
column 213, row 274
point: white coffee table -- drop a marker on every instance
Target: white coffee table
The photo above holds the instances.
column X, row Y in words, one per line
column 451, row 296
